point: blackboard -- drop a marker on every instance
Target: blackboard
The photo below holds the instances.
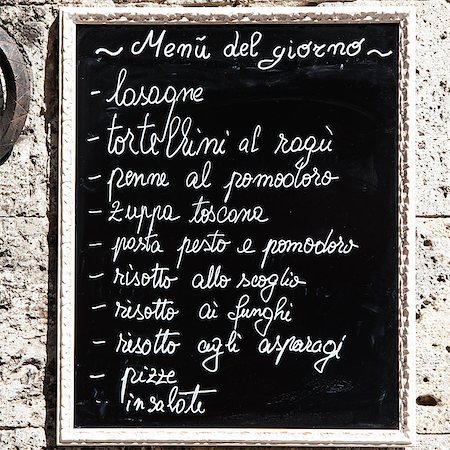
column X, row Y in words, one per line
column 237, row 227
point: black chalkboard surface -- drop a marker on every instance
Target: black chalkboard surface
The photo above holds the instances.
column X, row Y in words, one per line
column 236, row 226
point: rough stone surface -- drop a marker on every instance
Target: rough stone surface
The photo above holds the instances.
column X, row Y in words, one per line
column 22, row 439
column 23, row 290
column 433, row 442
column 28, row 223
column 433, row 108
column 433, row 325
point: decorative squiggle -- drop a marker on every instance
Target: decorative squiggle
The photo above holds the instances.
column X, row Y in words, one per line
column 109, row 52
column 383, row 55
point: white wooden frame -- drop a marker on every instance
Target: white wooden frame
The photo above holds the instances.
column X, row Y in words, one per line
column 67, row 434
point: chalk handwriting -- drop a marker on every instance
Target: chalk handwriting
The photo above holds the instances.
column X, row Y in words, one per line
column 177, row 402
column 179, row 136
column 120, row 179
column 205, row 212
column 215, row 279
column 237, row 48
column 108, row 52
column 194, row 245
column 292, row 51
column 212, row 243
column 163, row 342
column 160, row 309
column 266, row 284
column 152, row 95
column 142, row 214
column 328, row 246
column 293, row 344
column 264, row 315
column 147, row 375
column 295, row 178
column 156, row 278
column 160, row 48
column 136, row 244
column 377, row 52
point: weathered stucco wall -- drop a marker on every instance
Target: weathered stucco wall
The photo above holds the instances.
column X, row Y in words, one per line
column 28, row 223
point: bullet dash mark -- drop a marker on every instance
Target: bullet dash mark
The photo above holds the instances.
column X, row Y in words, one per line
column 100, row 375
column 98, row 275
column 103, row 305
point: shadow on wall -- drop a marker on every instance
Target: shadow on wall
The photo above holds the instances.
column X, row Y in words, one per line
column 51, row 125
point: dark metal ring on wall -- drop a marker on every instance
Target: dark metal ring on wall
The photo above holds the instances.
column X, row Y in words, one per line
column 16, row 93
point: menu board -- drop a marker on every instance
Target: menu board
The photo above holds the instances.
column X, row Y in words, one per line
column 236, row 228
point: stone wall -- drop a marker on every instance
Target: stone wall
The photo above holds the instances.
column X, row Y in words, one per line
column 28, row 224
